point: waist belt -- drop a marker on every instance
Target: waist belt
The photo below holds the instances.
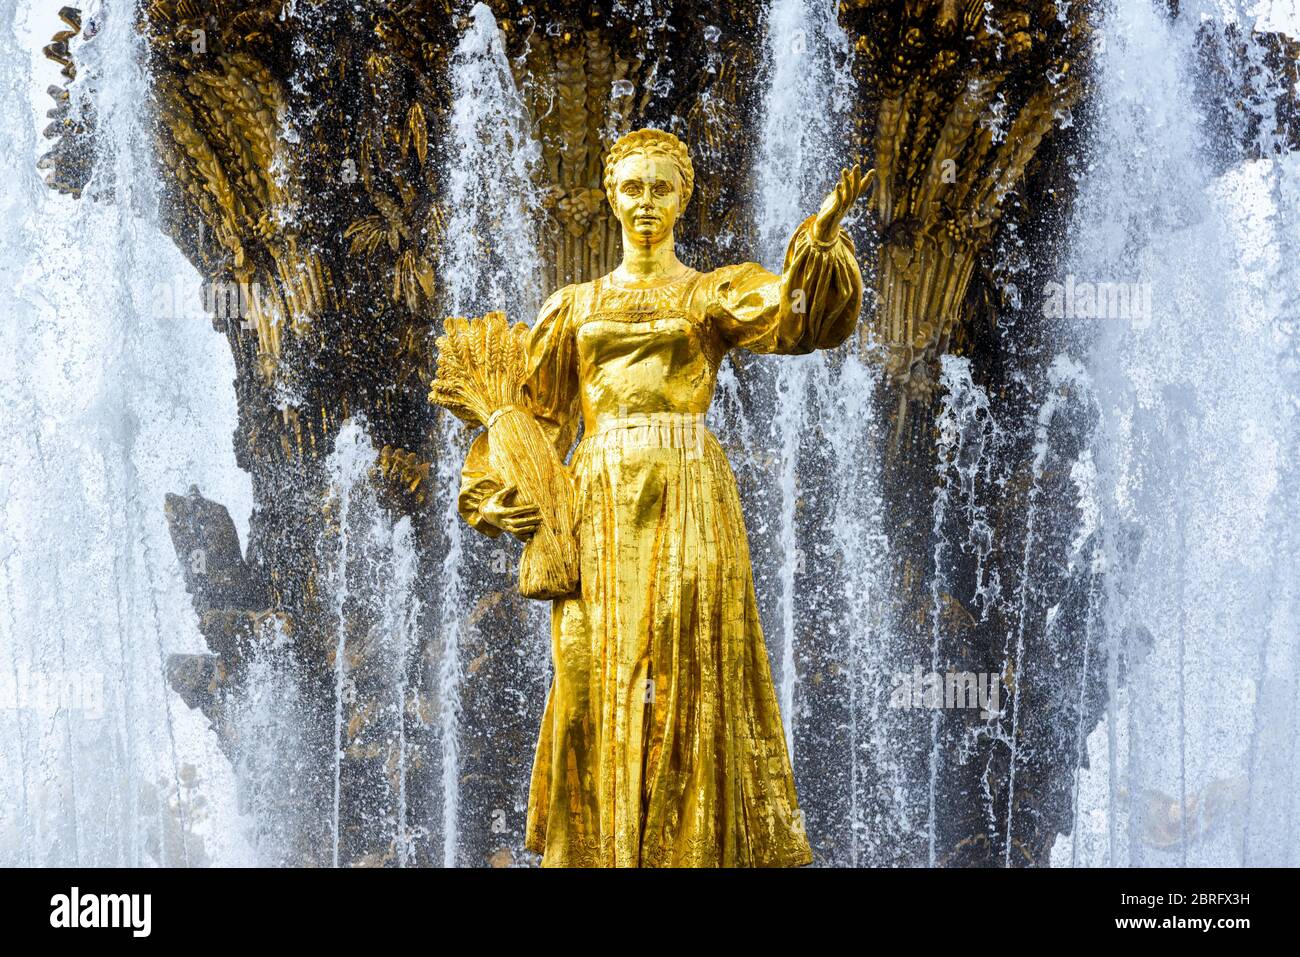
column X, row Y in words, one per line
column 668, row 429
column 634, row 420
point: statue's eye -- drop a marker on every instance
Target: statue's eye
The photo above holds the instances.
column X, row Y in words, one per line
column 631, row 187
column 663, row 189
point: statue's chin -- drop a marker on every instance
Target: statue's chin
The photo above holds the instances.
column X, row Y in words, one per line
column 647, row 235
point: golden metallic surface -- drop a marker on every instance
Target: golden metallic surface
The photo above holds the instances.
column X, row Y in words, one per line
column 661, row 742
column 964, row 96
column 482, row 367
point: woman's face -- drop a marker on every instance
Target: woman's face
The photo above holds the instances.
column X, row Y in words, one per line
column 647, row 196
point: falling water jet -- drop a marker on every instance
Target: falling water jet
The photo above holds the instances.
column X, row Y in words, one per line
column 968, row 445
column 806, row 53
column 491, row 143
column 349, row 464
column 1084, row 476
column 373, row 566
column 401, row 615
column 1186, row 549
column 1062, row 373
column 863, row 547
column 91, row 468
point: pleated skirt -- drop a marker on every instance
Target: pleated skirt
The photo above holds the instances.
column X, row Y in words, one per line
column 661, row 743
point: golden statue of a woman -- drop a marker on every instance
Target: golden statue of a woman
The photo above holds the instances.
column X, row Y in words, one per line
column 661, row 742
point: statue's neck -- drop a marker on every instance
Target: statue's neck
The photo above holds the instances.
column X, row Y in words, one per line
column 648, row 262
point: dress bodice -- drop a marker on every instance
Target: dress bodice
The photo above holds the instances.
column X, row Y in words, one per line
column 643, row 349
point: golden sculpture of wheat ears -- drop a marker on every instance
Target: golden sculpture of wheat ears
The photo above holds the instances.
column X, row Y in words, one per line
column 481, row 365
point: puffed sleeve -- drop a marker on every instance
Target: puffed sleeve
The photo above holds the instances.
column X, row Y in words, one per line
column 551, row 378
column 550, row 393
column 477, row 483
column 813, row 304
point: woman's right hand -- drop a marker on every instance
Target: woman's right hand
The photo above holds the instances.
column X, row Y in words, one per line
column 506, row 512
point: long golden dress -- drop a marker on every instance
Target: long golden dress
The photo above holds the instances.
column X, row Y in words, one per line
column 661, row 742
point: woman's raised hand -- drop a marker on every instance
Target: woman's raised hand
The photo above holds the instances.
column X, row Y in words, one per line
column 520, row 519
column 853, row 183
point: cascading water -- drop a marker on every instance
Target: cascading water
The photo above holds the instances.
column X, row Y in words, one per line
column 969, row 446
column 1190, row 471
column 373, row 562
column 1066, row 383
column 803, row 118
column 115, row 392
column 824, row 565
column 492, row 261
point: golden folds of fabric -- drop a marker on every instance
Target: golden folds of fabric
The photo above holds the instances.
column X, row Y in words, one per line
column 661, row 742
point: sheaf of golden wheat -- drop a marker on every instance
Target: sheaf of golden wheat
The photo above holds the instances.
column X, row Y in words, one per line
column 481, row 368
column 481, row 364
